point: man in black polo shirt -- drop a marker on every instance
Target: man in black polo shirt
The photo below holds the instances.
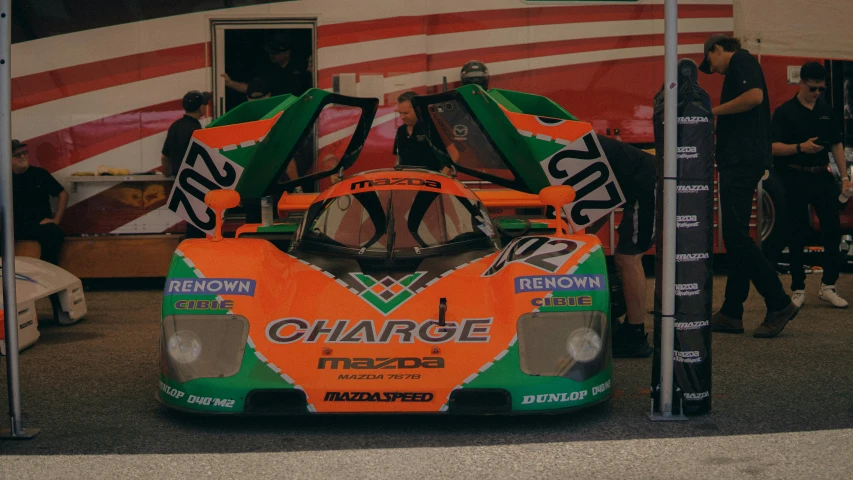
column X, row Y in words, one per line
column 32, row 188
column 178, row 140
column 743, row 156
column 411, row 144
column 804, row 128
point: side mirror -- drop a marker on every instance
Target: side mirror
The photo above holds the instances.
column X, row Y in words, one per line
column 219, row 201
column 557, row 196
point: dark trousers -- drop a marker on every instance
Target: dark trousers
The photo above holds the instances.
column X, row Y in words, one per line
column 49, row 236
column 821, row 192
column 746, row 262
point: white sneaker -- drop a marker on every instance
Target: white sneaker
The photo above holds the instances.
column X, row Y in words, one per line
column 798, row 298
column 828, row 293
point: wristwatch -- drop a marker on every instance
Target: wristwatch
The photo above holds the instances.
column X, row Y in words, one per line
column 798, row 149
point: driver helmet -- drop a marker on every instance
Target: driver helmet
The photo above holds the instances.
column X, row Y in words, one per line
column 475, row 72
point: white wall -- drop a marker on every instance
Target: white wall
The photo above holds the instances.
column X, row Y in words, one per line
column 803, row 28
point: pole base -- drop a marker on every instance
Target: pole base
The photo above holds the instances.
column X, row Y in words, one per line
column 27, row 434
column 668, row 417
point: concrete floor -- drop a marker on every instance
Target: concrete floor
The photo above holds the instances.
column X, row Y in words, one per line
column 783, row 408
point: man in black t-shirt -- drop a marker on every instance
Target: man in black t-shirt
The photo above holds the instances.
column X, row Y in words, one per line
column 178, row 140
column 804, row 128
column 32, row 188
column 743, row 156
column 411, row 143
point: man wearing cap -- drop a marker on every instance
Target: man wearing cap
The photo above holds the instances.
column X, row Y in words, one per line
column 804, row 128
column 281, row 74
column 32, row 188
column 181, row 132
column 178, row 140
column 743, row 156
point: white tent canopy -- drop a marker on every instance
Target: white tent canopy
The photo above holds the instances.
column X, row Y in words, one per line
column 817, row 28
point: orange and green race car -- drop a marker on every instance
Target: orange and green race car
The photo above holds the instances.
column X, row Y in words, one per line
column 394, row 294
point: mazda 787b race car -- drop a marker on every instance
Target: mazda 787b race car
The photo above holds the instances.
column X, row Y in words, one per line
column 394, row 293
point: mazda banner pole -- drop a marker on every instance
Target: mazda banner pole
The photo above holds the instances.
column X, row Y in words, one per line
column 10, row 301
column 663, row 409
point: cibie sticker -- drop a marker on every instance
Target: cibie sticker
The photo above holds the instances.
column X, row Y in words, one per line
column 211, row 286
column 203, row 169
column 583, row 165
column 550, row 283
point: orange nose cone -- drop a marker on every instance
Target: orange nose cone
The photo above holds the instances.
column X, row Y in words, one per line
column 557, row 195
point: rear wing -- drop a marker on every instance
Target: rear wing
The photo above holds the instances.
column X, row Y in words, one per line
column 523, row 142
column 249, row 149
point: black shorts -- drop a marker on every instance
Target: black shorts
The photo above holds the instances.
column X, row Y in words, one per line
column 637, row 228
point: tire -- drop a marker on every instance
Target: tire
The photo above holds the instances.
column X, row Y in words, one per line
column 773, row 227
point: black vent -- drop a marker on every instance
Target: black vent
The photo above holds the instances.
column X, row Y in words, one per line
column 276, row 402
column 475, row 400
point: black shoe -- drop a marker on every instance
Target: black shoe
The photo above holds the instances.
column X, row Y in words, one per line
column 774, row 322
column 725, row 324
column 628, row 344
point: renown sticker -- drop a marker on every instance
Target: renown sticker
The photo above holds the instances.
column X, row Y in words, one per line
column 541, row 283
column 211, row 286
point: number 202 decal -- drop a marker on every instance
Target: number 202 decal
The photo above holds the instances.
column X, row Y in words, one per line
column 602, row 178
column 548, row 254
column 220, row 179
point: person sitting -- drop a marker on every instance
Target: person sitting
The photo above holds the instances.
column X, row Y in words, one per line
column 32, row 188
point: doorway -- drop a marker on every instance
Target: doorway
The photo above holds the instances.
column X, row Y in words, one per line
column 238, row 51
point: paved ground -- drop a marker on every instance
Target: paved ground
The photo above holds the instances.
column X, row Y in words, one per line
column 783, row 408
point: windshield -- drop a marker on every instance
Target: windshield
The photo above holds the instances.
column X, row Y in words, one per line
column 399, row 222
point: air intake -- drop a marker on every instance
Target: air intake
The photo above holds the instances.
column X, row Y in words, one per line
column 480, row 401
column 276, row 402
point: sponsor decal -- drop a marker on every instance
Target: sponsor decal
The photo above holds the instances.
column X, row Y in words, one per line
column 691, row 356
column 683, row 326
column 686, row 153
column 383, row 182
column 380, row 376
column 693, row 120
column 686, row 289
column 539, row 283
column 211, row 286
column 583, row 165
column 581, row 301
column 23, row 278
column 197, row 305
column 544, row 253
column 211, row 401
column 693, row 188
column 291, row 330
column 686, row 221
column 378, row 397
column 697, row 396
column 172, row 392
column 601, row 388
column 379, row 363
column 554, row 397
column 387, row 294
column 460, row 132
column 691, row 257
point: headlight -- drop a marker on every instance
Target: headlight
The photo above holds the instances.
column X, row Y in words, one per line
column 583, row 345
column 568, row 344
column 184, row 347
column 202, row 346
